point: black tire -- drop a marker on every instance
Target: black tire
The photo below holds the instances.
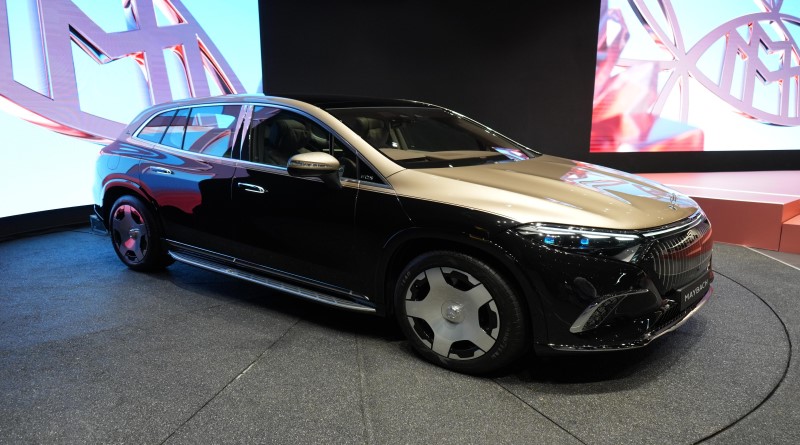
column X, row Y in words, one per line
column 460, row 313
column 136, row 235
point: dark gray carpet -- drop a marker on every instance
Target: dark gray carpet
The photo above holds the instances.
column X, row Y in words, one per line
column 91, row 352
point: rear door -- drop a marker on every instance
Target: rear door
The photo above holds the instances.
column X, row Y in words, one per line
column 190, row 174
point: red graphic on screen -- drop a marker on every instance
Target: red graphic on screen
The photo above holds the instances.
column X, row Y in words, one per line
column 751, row 52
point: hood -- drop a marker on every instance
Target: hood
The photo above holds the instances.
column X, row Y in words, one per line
column 552, row 190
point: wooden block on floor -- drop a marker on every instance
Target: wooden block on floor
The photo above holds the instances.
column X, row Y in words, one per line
column 790, row 236
column 749, row 223
column 748, row 208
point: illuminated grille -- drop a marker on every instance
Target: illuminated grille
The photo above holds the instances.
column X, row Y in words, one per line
column 678, row 259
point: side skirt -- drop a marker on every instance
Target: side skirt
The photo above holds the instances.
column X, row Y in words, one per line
column 295, row 290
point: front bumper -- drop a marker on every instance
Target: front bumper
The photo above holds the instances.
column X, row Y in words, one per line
column 665, row 325
column 595, row 303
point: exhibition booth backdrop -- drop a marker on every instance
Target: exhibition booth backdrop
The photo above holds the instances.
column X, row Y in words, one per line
column 642, row 85
column 74, row 72
column 716, row 75
column 654, row 80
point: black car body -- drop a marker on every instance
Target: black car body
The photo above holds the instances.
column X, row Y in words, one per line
column 482, row 249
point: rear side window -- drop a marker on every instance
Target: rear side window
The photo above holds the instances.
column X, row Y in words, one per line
column 174, row 135
column 154, row 130
column 206, row 129
column 209, row 130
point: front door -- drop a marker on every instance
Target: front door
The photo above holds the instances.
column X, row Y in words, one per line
column 296, row 227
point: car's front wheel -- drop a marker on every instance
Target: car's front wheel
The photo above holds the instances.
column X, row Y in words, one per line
column 135, row 235
column 457, row 311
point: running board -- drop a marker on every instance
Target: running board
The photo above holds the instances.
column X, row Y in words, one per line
column 298, row 291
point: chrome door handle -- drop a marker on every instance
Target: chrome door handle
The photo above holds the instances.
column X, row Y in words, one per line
column 161, row 170
column 252, row 188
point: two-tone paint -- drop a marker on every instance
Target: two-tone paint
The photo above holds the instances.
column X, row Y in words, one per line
column 345, row 246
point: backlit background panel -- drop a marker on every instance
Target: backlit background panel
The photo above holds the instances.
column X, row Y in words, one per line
column 75, row 72
column 683, row 75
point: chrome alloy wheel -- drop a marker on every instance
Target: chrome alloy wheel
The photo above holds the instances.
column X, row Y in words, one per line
column 131, row 237
column 452, row 313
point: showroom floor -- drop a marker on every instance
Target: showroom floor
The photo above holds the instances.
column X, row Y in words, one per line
column 91, row 352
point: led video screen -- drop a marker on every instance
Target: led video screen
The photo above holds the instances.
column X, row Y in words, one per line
column 74, row 72
column 692, row 76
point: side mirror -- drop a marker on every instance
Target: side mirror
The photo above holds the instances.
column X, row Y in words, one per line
column 315, row 164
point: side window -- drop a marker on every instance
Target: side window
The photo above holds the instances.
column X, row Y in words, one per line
column 209, row 129
column 348, row 162
column 365, row 173
column 206, row 130
column 350, row 166
column 174, row 135
column 154, row 130
column 276, row 135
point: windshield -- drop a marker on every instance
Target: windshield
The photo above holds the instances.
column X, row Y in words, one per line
column 430, row 137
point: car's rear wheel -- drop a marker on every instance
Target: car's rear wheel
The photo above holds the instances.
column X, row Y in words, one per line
column 136, row 235
column 460, row 313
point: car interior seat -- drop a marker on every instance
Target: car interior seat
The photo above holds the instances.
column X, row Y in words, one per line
column 287, row 137
column 374, row 131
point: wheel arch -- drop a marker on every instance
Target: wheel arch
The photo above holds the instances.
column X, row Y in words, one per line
column 409, row 244
column 145, row 259
column 115, row 189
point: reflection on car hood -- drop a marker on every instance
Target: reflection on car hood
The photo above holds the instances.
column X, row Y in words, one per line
column 551, row 189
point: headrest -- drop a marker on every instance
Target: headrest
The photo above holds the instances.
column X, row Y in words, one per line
column 372, row 130
column 288, row 135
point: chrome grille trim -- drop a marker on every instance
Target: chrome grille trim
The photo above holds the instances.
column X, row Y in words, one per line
column 682, row 257
column 685, row 224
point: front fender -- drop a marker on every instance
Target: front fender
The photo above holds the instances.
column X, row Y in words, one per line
column 474, row 234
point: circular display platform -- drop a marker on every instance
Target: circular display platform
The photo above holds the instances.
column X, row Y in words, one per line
column 93, row 351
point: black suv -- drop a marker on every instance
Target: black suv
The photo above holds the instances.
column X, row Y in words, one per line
column 481, row 247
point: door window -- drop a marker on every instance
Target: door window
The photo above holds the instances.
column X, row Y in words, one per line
column 348, row 162
column 177, row 128
column 276, row 135
column 209, row 130
column 205, row 130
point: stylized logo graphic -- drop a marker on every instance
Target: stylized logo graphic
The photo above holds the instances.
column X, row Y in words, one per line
column 751, row 49
column 751, row 63
column 56, row 105
column 695, row 292
column 673, row 201
column 691, row 236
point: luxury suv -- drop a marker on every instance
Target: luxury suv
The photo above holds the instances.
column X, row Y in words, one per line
column 480, row 247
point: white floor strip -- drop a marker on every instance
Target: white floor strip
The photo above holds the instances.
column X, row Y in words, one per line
column 730, row 190
column 768, row 256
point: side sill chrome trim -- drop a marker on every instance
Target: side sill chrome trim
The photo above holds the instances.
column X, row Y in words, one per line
column 279, row 275
column 637, row 343
column 298, row 291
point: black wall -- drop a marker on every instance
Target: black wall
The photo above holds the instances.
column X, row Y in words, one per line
column 525, row 68
column 38, row 222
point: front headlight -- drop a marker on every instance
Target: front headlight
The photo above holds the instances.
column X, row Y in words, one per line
column 619, row 245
